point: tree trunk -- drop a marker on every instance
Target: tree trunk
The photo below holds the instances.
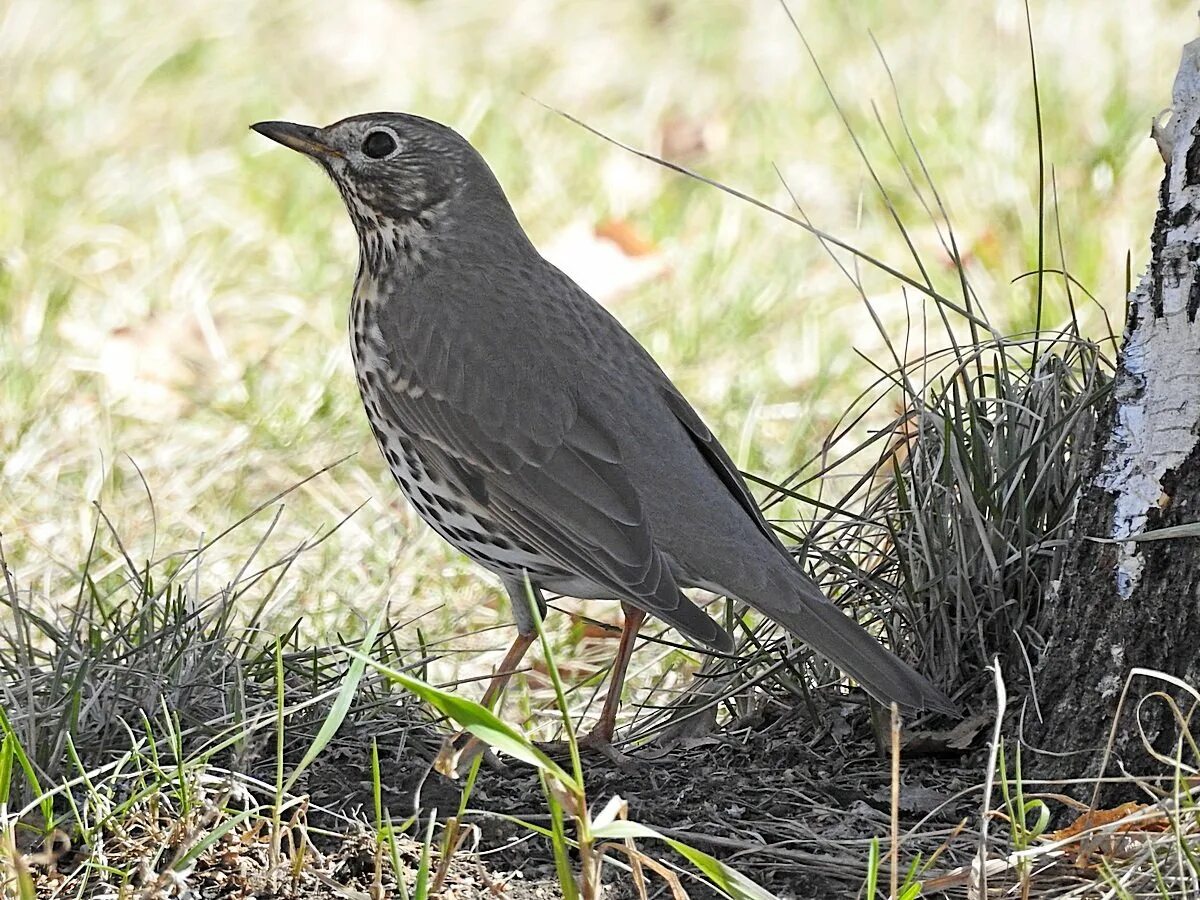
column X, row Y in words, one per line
column 1125, row 604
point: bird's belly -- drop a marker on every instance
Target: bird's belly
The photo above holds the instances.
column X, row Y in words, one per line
column 451, row 512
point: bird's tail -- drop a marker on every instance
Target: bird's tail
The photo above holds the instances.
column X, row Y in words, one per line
column 803, row 610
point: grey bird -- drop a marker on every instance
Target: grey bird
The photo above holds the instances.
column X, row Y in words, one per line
column 533, row 432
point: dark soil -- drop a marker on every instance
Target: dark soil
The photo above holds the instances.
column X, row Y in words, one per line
column 787, row 804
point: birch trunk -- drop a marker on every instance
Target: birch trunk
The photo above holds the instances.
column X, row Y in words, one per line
column 1123, row 603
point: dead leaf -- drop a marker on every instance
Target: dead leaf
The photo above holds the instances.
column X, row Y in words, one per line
column 446, row 763
column 1111, row 833
column 1098, row 818
column 606, row 261
column 600, row 632
column 953, row 740
column 625, row 236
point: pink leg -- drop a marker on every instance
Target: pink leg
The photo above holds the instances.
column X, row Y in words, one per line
column 605, row 729
column 460, row 752
column 507, row 667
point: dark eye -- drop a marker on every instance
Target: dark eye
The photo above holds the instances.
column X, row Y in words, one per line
column 378, row 144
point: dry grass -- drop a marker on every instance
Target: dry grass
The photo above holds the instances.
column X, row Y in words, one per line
column 153, row 723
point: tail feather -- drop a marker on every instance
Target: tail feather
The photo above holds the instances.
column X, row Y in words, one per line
column 808, row 614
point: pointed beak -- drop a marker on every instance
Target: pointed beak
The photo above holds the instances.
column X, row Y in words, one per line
column 301, row 138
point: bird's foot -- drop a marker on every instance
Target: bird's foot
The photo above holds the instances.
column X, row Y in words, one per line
column 461, row 750
column 597, row 741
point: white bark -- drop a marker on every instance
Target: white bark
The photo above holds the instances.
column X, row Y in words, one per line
column 1157, row 388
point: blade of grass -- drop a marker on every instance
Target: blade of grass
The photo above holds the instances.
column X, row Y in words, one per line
column 724, row 877
column 341, row 705
column 473, row 717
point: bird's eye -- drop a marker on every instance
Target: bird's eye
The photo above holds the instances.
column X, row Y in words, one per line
column 378, row 144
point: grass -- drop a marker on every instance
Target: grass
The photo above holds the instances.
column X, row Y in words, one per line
column 114, row 746
column 117, row 774
column 933, row 421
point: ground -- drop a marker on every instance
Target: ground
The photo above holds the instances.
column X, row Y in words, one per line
column 787, row 803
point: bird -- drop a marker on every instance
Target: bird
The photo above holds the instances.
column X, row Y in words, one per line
column 534, row 433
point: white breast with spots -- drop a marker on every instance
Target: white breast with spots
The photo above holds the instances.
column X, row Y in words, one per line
column 449, row 510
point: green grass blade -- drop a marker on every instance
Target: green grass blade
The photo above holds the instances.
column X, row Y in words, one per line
column 559, row 843
column 421, row 889
column 376, row 785
column 872, row 870
column 523, row 824
column 727, row 879
column 211, row 838
column 394, row 854
column 341, row 706
column 560, row 695
column 477, row 719
column 45, row 802
column 6, row 763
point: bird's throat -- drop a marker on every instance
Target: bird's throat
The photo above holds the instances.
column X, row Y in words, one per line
column 394, row 246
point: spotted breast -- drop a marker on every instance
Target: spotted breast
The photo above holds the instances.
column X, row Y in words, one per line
column 452, row 512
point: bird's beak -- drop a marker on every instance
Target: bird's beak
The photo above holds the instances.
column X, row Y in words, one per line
column 302, row 138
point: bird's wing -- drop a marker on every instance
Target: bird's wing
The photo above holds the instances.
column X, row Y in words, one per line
column 554, row 479
column 718, row 460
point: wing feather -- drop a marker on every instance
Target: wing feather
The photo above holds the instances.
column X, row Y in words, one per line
column 716, row 457
column 562, row 491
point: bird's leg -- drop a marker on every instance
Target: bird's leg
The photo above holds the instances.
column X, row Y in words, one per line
column 601, row 736
column 506, row 669
column 519, row 598
column 605, row 729
column 463, row 748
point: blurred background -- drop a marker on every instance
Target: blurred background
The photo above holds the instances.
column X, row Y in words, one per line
column 174, row 288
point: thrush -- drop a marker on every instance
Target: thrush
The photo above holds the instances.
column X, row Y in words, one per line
column 533, row 432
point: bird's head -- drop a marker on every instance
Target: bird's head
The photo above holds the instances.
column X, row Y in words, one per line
column 394, row 168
